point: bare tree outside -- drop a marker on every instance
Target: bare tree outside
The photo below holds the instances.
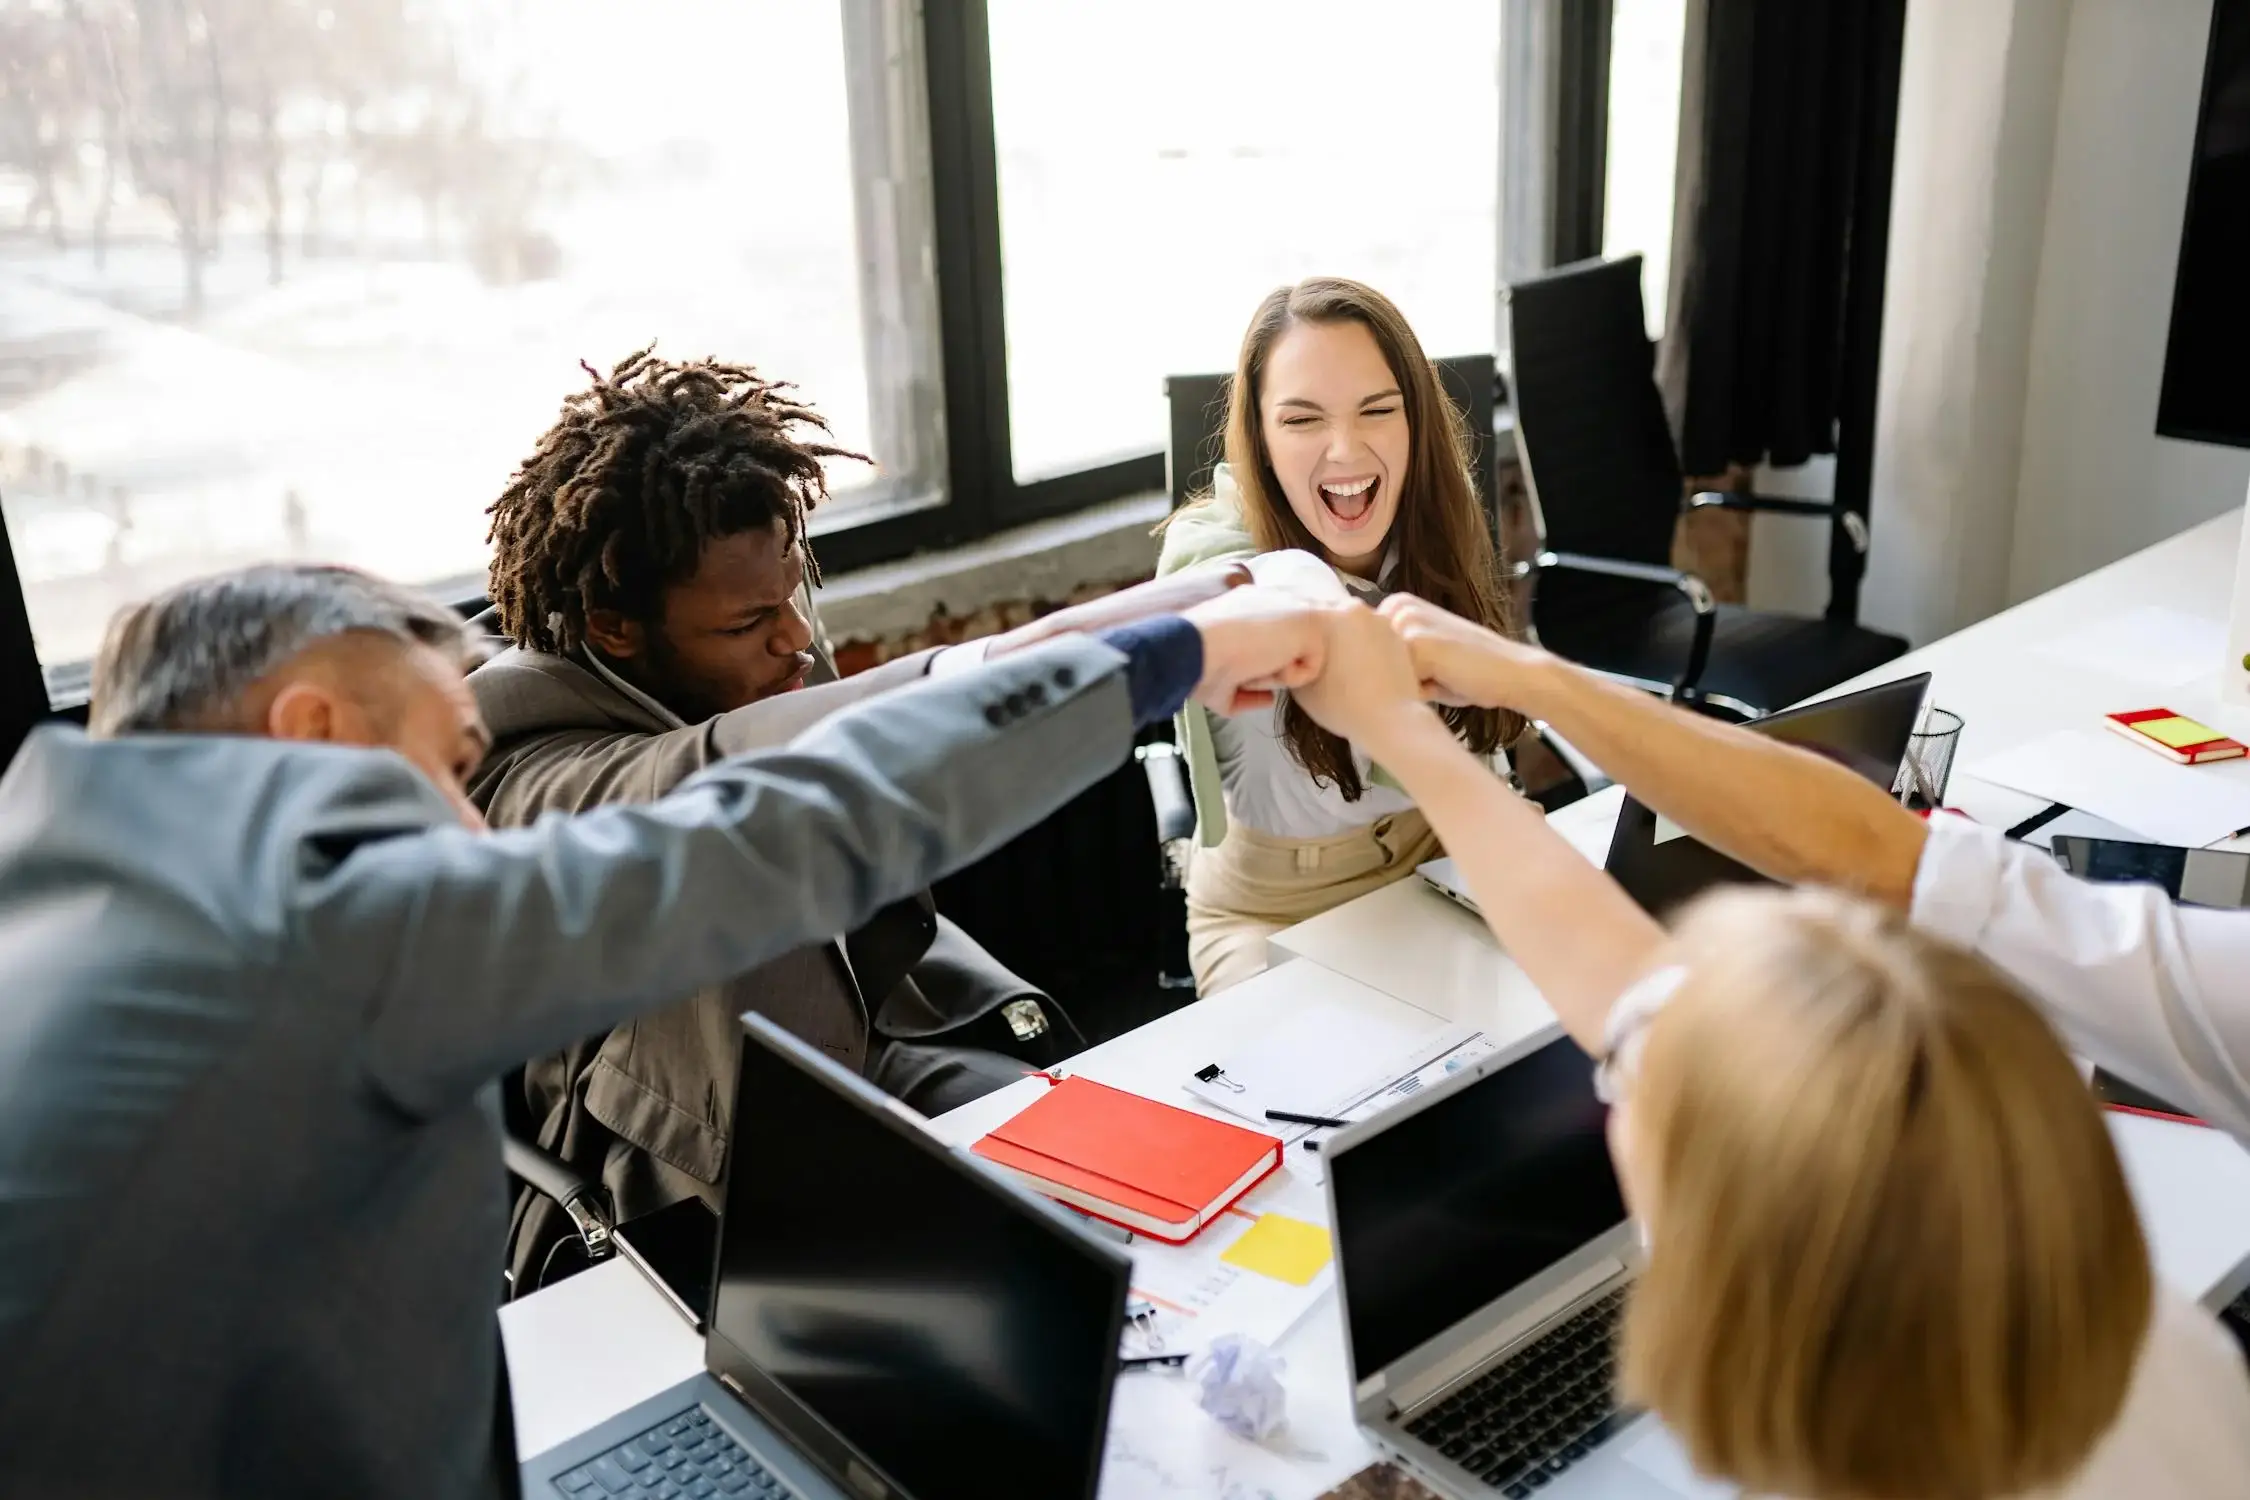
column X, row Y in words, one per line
column 307, row 277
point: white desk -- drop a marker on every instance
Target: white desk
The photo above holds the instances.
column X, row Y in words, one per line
column 603, row 1341
column 2008, row 693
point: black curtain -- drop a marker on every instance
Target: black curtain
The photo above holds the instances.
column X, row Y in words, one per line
column 1778, row 106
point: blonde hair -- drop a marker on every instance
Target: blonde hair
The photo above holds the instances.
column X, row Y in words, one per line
column 1892, row 1251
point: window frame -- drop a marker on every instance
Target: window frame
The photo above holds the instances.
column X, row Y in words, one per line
column 950, row 116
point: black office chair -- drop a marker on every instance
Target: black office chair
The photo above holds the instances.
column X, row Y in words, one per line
column 585, row 1201
column 1607, row 489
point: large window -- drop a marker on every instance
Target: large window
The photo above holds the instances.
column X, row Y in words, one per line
column 1643, row 140
column 305, row 279
column 1163, row 166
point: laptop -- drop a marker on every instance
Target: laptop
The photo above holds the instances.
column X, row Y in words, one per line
column 891, row 1320
column 1482, row 1259
column 1661, row 867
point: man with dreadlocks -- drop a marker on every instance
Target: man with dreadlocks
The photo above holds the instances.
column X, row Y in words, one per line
column 650, row 569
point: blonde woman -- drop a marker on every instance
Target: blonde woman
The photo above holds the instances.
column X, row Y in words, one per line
column 1890, row 1251
column 1342, row 445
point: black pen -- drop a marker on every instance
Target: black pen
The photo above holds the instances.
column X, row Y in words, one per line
column 1288, row 1117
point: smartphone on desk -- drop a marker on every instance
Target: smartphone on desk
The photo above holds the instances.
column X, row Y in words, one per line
column 2198, row 877
column 2114, row 1092
column 677, row 1249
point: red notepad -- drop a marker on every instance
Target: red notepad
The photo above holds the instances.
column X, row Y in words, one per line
column 2175, row 736
column 1157, row 1170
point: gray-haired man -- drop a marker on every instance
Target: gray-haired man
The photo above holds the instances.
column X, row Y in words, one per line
column 260, row 978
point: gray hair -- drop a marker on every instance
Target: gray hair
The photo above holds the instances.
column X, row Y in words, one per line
column 182, row 660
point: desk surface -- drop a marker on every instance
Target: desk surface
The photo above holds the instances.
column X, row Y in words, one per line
column 604, row 1340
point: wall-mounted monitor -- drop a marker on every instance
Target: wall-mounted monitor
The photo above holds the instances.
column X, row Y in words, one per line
column 2206, row 393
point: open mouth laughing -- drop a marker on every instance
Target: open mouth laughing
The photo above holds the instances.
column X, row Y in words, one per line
column 1350, row 501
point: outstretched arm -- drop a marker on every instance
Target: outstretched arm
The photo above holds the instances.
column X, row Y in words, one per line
column 468, row 953
column 1779, row 809
column 2148, row 989
column 1578, row 937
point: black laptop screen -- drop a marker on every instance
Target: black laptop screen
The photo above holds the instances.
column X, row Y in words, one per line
column 1867, row 732
column 1468, row 1198
column 941, row 1325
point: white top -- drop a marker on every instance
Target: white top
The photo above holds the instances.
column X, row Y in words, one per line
column 2185, row 1431
column 2158, row 993
column 1265, row 788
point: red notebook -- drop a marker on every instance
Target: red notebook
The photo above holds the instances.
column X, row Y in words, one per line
column 1155, row 1169
column 2174, row 736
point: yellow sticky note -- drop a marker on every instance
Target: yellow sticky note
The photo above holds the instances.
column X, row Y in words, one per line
column 1281, row 1247
column 2177, row 731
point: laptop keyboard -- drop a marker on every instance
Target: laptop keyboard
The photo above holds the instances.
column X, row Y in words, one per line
column 689, row 1457
column 1529, row 1418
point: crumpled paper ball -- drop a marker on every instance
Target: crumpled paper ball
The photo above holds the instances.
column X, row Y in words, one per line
column 1238, row 1382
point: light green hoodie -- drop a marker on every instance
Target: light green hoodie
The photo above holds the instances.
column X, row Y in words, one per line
column 1208, row 531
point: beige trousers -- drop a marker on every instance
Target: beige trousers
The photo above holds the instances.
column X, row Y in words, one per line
column 1251, row 885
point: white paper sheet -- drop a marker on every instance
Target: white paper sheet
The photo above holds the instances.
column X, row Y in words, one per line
column 2080, row 825
column 2152, row 644
column 2097, row 772
column 1163, row 1447
column 1331, row 1055
column 1198, row 1295
column 1313, row 1168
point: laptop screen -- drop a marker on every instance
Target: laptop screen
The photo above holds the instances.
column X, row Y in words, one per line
column 940, row 1322
column 1867, row 732
column 1473, row 1195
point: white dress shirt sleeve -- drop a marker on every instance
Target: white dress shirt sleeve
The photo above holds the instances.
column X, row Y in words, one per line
column 2158, row 994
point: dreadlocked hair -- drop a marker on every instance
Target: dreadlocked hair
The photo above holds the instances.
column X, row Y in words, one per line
column 641, row 473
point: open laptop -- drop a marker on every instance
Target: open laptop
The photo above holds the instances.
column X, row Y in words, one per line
column 1482, row 1258
column 891, row 1320
column 1660, row 866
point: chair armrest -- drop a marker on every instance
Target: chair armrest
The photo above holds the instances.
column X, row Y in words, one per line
column 1698, row 595
column 1167, row 789
column 1853, row 526
column 585, row 1201
column 1698, row 592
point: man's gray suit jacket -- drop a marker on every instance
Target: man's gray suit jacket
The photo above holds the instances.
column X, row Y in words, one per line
column 254, row 998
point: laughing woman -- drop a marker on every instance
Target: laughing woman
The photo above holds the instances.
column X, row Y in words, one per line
column 1340, row 443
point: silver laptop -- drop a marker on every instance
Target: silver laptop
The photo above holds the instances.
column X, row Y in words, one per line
column 891, row 1320
column 1482, row 1258
column 1660, row 867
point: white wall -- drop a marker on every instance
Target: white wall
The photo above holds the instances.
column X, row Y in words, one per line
column 1788, row 554
column 2042, row 172
column 1978, row 100
column 2097, row 482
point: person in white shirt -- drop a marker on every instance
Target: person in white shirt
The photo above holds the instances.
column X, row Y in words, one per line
column 1890, row 1250
column 1342, row 445
column 2156, row 993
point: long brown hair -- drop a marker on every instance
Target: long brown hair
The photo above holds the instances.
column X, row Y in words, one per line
column 1444, row 545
